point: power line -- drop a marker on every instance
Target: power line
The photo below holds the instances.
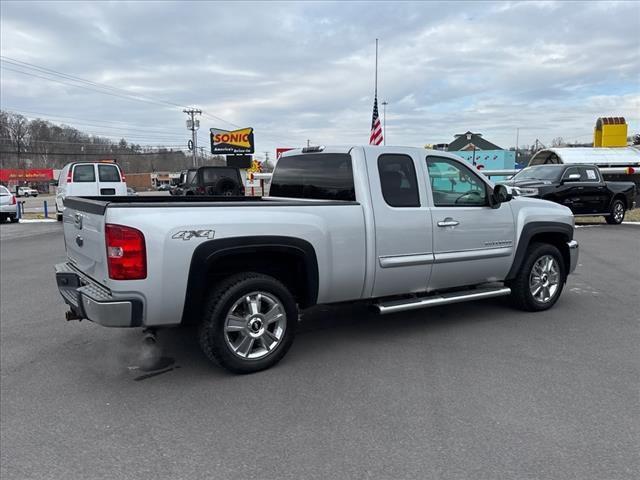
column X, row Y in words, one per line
column 54, row 117
column 104, row 89
column 103, row 153
column 115, row 90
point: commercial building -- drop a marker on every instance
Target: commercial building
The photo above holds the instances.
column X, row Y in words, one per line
column 481, row 152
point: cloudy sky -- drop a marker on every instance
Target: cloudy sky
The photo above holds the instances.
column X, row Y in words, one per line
column 304, row 70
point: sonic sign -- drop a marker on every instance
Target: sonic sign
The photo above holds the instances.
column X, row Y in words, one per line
column 234, row 142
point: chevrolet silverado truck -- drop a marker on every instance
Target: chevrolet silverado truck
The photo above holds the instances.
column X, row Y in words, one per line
column 579, row 187
column 399, row 228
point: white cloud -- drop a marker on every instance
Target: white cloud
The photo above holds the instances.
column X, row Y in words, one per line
column 305, row 70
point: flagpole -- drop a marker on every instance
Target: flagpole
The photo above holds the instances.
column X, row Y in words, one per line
column 376, row 81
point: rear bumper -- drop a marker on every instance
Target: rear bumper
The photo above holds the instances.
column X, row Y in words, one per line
column 8, row 209
column 574, row 251
column 88, row 299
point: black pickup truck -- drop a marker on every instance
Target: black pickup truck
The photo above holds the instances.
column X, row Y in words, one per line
column 579, row 187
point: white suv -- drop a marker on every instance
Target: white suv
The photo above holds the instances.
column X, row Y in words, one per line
column 27, row 192
column 89, row 179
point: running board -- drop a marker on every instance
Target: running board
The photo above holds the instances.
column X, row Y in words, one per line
column 443, row 299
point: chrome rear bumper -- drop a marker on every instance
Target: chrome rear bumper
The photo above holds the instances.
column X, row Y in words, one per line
column 88, row 299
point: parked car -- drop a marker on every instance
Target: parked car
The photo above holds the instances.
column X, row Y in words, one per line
column 164, row 187
column 87, row 179
column 212, row 181
column 8, row 205
column 26, row 192
column 579, row 187
column 380, row 225
column 186, row 177
column 131, row 192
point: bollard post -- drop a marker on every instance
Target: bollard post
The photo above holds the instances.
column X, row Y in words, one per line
column 46, row 210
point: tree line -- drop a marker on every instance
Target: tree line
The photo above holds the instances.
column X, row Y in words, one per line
column 39, row 143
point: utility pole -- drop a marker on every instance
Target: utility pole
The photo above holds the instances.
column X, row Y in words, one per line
column 308, row 142
column 193, row 125
column 517, row 140
column 384, row 122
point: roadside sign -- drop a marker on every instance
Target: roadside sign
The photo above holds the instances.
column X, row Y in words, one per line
column 232, row 141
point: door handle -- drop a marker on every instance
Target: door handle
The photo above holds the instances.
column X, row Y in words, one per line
column 448, row 222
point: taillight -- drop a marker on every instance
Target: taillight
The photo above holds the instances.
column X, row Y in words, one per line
column 69, row 175
column 13, row 199
column 126, row 253
column 200, row 190
column 122, row 176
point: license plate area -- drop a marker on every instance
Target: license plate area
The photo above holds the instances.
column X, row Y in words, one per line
column 107, row 191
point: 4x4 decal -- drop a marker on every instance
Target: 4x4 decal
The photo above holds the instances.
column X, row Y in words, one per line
column 189, row 234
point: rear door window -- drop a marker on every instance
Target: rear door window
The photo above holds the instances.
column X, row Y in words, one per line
column 4, row 191
column 589, row 175
column 398, row 180
column 108, row 173
column 84, row 173
column 321, row 176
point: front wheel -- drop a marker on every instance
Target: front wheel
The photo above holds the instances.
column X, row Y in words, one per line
column 616, row 215
column 249, row 323
column 540, row 280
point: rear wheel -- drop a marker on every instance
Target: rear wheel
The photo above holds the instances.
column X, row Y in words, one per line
column 249, row 323
column 540, row 280
column 616, row 215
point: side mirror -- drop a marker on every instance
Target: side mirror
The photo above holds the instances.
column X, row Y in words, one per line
column 574, row 177
column 500, row 195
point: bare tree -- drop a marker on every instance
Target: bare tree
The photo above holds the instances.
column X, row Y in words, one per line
column 558, row 142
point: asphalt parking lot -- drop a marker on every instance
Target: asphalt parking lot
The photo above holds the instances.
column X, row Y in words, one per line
column 468, row 391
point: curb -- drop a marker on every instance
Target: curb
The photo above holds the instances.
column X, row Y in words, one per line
column 38, row 220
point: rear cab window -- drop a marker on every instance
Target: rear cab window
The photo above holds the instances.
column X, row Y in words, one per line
column 84, row 173
column 212, row 175
column 4, row 191
column 321, row 176
column 109, row 173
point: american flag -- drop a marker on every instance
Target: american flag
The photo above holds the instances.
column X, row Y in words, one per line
column 376, row 129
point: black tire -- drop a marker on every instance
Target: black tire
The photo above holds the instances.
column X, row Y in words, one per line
column 617, row 213
column 227, row 186
column 224, row 295
column 59, row 217
column 521, row 294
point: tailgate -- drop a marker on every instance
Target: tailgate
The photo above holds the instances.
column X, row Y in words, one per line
column 84, row 237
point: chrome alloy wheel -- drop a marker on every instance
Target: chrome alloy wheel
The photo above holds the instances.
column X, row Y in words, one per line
column 544, row 279
column 618, row 212
column 255, row 325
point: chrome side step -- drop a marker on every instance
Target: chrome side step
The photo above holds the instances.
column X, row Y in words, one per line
column 443, row 299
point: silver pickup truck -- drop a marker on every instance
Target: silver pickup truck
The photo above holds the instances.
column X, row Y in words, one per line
column 399, row 228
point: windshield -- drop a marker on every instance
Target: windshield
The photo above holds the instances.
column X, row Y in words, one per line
column 543, row 172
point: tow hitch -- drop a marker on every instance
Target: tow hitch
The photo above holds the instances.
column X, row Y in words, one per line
column 71, row 315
